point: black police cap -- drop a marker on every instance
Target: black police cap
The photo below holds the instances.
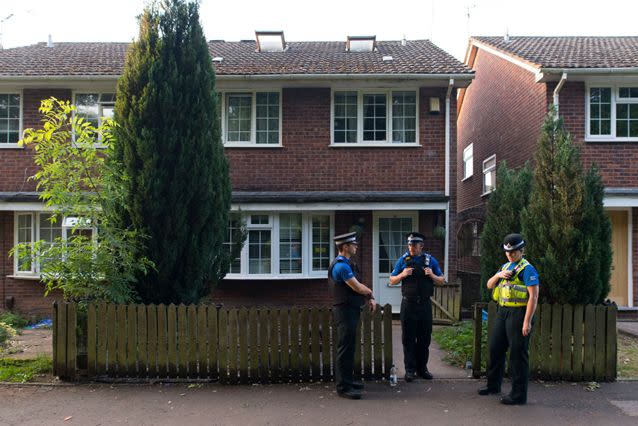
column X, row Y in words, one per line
column 415, row 237
column 513, row 242
column 350, row 237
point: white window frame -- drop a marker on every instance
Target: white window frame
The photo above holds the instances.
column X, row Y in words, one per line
column 485, row 171
column 468, row 161
column 100, row 114
column 382, row 144
column 253, row 119
column 21, row 125
column 35, row 236
column 615, row 91
column 306, row 248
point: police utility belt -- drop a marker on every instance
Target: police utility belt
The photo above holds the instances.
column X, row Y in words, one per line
column 512, row 293
column 419, row 300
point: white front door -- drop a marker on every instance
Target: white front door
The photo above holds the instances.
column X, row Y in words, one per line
column 389, row 244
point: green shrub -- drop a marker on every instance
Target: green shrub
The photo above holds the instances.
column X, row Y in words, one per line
column 458, row 343
column 24, row 370
column 6, row 332
column 14, row 320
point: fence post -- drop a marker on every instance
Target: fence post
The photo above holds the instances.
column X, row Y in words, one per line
column 478, row 333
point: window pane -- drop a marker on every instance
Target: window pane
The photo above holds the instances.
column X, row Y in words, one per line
column 374, row 117
column 320, row 243
column 238, row 117
column 25, row 232
column 49, row 233
column 267, row 117
column 88, row 107
column 233, row 227
column 345, row 117
column 9, row 118
column 599, row 108
column 259, row 219
column 392, row 233
column 259, row 252
column 403, row 117
column 290, row 243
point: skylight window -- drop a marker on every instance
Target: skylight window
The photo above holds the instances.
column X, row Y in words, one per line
column 361, row 43
column 270, row 41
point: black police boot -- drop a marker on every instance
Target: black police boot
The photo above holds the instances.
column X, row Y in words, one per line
column 350, row 394
column 357, row 385
column 508, row 400
column 409, row 376
column 425, row 374
column 488, row 391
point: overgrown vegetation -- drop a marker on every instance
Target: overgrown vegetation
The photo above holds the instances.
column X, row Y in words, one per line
column 458, row 343
column 627, row 356
column 13, row 319
column 7, row 333
column 24, row 370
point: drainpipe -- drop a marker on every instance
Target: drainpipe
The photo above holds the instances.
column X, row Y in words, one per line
column 557, row 90
column 447, row 176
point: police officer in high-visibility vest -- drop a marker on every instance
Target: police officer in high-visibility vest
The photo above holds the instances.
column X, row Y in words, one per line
column 349, row 295
column 515, row 288
column 418, row 272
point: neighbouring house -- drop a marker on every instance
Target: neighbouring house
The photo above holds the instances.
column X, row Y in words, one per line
column 593, row 83
column 322, row 138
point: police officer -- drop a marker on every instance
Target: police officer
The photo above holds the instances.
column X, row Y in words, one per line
column 418, row 272
column 516, row 292
column 349, row 294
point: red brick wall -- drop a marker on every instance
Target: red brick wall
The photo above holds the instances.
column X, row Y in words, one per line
column 17, row 164
column 502, row 112
column 28, row 295
column 306, row 162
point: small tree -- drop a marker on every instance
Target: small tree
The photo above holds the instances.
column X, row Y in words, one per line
column 178, row 191
column 77, row 185
column 567, row 231
column 502, row 217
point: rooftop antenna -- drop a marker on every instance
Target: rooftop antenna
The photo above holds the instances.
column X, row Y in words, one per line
column 468, row 16
column 2, row 21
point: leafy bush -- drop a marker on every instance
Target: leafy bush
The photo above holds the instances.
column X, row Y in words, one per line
column 6, row 332
column 13, row 319
column 458, row 343
column 24, row 370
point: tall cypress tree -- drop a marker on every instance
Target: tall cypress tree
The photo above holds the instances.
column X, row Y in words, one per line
column 567, row 231
column 168, row 141
column 502, row 217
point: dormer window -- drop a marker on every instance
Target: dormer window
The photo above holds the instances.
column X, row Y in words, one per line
column 361, row 43
column 270, row 41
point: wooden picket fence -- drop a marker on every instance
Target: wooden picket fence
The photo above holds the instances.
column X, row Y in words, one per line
column 569, row 342
column 446, row 304
column 205, row 342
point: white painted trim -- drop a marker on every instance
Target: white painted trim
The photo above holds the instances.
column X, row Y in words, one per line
column 493, row 156
column 16, row 215
column 614, row 86
column 508, row 57
column 20, row 93
column 22, row 207
column 469, row 147
column 382, row 206
column 388, row 143
column 253, row 117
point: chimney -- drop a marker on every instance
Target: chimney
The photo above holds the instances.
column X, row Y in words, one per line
column 404, row 41
column 506, row 38
column 50, row 41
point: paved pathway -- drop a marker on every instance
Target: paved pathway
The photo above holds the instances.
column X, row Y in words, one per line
column 628, row 327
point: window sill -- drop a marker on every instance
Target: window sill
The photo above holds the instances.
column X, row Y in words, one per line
column 252, row 145
column 275, row 277
column 611, row 140
column 11, row 146
column 25, row 277
column 375, row 145
column 466, row 178
column 485, row 194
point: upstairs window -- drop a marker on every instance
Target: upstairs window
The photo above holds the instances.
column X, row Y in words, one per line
column 470, row 239
column 489, row 174
column 252, row 119
column 468, row 161
column 612, row 113
column 374, row 118
column 9, row 118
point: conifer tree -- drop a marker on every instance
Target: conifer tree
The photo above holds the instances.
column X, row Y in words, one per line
column 168, row 140
column 503, row 217
column 567, row 231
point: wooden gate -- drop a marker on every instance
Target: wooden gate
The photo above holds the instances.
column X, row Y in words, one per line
column 209, row 343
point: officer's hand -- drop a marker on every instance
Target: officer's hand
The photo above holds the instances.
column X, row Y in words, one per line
column 373, row 305
column 527, row 328
column 506, row 275
column 407, row 272
column 427, row 271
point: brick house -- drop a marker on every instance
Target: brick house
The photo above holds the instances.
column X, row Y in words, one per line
column 322, row 138
column 593, row 81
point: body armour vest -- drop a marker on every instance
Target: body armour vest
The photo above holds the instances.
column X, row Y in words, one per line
column 417, row 284
column 512, row 293
column 342, row 294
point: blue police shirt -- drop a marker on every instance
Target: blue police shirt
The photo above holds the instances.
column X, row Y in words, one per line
column 342, row 271
column 529, row 275
column 401, row 265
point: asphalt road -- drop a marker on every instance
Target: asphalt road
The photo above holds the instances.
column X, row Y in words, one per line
column 439, row 402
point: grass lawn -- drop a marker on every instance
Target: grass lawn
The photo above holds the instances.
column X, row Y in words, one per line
column 24, row 370
column 627, row 356
column 458, row 343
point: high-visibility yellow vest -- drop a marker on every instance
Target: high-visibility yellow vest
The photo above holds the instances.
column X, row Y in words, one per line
column 512, row 293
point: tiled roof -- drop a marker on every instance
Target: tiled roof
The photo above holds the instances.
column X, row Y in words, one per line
column 570, row 52
column 239, row 58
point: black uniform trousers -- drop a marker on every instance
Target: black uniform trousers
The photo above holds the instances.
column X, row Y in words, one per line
column 507, row 332
column 416, row 333
column 346, row 318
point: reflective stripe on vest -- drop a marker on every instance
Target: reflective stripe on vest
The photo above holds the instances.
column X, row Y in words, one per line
column 512, row 293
